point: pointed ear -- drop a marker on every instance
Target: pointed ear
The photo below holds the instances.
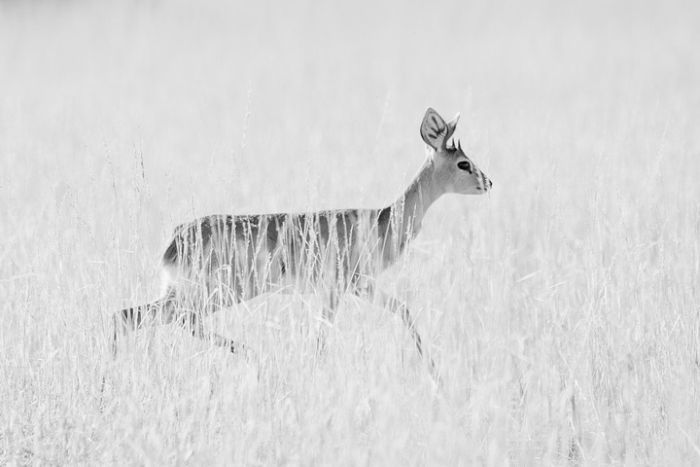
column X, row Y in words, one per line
column 451, row 126
column 434, row 130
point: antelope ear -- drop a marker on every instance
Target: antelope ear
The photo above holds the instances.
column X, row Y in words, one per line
column 451, row 127
column 434, row 130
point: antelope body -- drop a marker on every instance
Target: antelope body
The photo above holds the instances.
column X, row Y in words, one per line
column 217, row 261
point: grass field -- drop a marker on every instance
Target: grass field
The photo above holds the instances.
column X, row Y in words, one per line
column 562, row 309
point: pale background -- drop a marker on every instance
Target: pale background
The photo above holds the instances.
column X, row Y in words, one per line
column 562, row 308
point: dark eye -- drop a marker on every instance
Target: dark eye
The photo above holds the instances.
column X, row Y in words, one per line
column 465, row 165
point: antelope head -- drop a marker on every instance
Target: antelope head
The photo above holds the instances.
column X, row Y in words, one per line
column 453, row 171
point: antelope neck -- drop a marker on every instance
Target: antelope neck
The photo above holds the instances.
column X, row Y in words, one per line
column 408, row 211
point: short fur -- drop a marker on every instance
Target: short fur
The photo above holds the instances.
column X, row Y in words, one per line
column 216, row 261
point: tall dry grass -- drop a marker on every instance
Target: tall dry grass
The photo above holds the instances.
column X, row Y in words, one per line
column 562, row 309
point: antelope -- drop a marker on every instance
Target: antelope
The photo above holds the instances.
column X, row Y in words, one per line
column 216, row 261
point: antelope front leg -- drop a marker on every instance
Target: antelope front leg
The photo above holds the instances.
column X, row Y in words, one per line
column 399, row 307
column 328, row 315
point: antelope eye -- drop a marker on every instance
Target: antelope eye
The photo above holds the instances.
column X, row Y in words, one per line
column 465, row 165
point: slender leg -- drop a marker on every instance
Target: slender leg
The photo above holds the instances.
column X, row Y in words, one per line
column 193, row 322
column 132, row 319
column 398, row 307
column 167, row 310
column 328, row 316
